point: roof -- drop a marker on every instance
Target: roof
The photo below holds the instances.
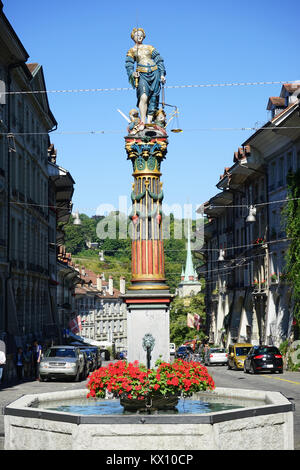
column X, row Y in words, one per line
column 32, row 67
column 91, row 277
column 16, row 49
column 289, row 87
column 277, row 101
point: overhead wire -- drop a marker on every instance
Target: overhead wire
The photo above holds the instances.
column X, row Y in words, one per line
column 119, row 131
column 213, row 206
column 201, row 85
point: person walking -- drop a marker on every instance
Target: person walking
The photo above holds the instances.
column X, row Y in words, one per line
column 205, row 353
column 28, row 362
column 19, row 362
column 2, row 359
column 36, row 359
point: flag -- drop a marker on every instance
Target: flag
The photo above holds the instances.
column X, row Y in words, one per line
column 197, row 321
column 79, row 322
column 74, row 326
column 190, row 320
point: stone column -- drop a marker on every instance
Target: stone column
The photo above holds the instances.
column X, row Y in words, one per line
column 148, row 297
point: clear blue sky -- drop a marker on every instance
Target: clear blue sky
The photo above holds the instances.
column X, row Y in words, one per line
column 83, row 45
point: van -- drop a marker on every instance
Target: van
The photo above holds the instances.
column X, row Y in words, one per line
column 172, row 349
column 237, row 354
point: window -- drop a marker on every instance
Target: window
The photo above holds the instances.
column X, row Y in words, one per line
column 281, row 171
column 242, row 351
column 289, row 162
column 61, row 352
column 272, row 175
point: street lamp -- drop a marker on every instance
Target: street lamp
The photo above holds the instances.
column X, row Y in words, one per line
column 77, row 220
column 252, row 213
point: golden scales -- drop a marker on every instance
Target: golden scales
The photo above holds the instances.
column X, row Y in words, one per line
column 176, row 128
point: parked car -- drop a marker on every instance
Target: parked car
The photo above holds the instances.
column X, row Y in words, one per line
column 97, row 353
column 63, row 362
column 123, row 355
column 237, row 354
column 183, row 352
column 215, row 356
column 172, row 349
column 91, row 358
column 262, row 358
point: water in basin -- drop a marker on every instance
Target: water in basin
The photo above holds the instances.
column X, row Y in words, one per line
column 207, row 404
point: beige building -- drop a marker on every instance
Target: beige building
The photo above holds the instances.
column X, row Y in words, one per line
column 102, row 312
column 245, row 241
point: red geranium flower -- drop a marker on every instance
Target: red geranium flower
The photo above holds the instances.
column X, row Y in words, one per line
column 180, row 377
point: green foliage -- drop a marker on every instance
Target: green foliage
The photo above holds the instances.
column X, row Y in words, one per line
column 117, row 249
column 77, row 235
column 291, row 221
column 179, row 331
column 291, row 352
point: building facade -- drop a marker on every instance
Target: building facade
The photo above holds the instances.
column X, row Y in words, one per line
column 32, row 203
column 100, row 310
column 247, row 298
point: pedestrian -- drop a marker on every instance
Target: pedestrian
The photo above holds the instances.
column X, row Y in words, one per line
column 28, row 362
column 201, row 352
column 19, row 363
column 205, row 353
column 36, row 359
column 2, row 359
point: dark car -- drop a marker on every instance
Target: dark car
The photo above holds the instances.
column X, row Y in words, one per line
column 183, row 352
column 91, row 358
column 95, row 350
column 123, row 355
column 263, row 358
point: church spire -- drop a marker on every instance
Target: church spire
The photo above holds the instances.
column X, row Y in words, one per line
column 189, row 267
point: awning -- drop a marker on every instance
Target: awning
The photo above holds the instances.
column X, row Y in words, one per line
column 91, row 342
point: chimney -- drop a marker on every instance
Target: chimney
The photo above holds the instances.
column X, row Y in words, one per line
column 111, row 285
column 122, row 285
column 99, row 282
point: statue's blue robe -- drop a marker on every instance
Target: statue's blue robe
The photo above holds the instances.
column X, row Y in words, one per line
column 149, row 82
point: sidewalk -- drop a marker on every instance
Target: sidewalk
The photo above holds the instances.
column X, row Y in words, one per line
column 10, row 392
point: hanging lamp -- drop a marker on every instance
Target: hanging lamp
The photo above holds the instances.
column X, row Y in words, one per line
column 252, row 213
column 77, row 220
column 221, row 255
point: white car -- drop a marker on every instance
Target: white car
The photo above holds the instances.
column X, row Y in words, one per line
column 172, row 349
column 216, row 356
column 63, row 362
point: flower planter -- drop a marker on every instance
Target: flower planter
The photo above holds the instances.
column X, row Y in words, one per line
column 133, row 383
column 151, row 403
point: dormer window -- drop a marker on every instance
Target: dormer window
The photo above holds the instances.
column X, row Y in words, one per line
column 276, row 104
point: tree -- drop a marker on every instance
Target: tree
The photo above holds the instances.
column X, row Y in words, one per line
column 181, row 306
column 76, row 236
column 292, row 226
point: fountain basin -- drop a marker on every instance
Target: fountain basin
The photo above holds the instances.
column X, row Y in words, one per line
column 264, row 422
